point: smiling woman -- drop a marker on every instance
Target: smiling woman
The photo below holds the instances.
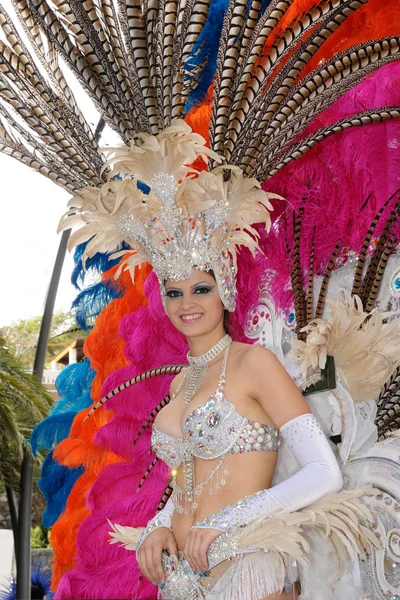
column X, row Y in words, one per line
column 230, row 408
column 212, row 101
column 223, row 452
column 194, row 300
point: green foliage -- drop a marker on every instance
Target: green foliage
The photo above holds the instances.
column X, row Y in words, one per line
column 39, row 537
column 23, row 403
column 22, row 337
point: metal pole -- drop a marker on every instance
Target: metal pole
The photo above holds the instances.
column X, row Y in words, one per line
column 23, row 591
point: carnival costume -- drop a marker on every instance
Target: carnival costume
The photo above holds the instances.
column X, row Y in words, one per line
column 211, row 100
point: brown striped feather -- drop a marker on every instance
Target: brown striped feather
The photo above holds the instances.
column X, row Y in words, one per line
column 18, row 138
column 245, row 81
column 171, row 7
column 49, row 61
column 310, row 287
column 388, row 413
column 23, row 71
column 133, row 25
column 366, row 117
column 150, row 17
column 41, row 121
column 151, row 418
column 147, row 473
column 377, row 255
column 357, row 285
column 265, row 26
column 298, row 291
column 194, row 16
column 100, row 26
column 166, row 370
column 165, row 497
column 282, row 82
column 376, row 283
column 90, row 74
column 228, row 57
column 246, row 101
column 316, row 93
column 325, row 281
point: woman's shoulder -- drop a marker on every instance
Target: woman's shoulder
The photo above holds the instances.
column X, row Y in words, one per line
column 253, row 354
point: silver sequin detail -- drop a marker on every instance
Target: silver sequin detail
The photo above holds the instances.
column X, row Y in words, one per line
column 175, row 243
column 181, row 583
column 222, row 548
column 238, row 514
column 302, row 428
column 211, row 430
column 180, row 580
column 160, row 520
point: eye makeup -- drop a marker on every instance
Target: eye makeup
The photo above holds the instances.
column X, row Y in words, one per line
column 203, row 289
column 198, row 288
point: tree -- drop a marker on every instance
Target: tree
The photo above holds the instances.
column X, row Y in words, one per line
column 23, row 403
column 21, row 337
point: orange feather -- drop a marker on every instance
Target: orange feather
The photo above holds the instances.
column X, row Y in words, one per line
column 374, row 20
column 105, row 349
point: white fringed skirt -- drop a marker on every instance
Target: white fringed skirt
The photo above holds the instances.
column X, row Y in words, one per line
column 248, row 576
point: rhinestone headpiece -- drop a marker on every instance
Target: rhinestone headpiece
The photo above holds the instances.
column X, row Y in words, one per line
column 172, row 215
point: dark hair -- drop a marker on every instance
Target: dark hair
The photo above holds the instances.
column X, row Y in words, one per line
column 226, row 320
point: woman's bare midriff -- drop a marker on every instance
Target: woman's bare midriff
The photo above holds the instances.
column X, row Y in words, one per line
column 248, row 473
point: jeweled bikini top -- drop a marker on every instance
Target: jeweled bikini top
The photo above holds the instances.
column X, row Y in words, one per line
column 212, row 430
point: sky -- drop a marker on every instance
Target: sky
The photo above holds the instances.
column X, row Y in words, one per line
column 30, row 208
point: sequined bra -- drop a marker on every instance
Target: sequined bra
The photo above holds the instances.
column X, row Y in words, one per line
column 212, row 430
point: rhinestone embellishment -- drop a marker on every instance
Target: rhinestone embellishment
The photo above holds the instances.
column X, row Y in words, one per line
column 212, row 430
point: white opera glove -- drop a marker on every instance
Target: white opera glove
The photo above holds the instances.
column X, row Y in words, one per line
column 162, row 519
column 319, row 475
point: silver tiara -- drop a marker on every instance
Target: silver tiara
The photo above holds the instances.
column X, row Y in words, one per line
column 187, row 219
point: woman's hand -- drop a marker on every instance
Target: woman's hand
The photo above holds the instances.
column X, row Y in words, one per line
column 150, row 551
column 196, row 547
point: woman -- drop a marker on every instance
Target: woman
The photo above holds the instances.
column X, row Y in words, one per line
column 220, row 432
column 261, row 390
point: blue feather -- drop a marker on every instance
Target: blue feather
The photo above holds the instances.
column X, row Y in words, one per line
column 73, row 383
column 40, row 580
column 207, row 47
column 74, row 386
column 99, row 263
column 93, row 298
column 50, row 432
column 90, row 302
column 56, row 483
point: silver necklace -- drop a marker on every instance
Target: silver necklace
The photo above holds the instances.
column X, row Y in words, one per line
column 198, row 367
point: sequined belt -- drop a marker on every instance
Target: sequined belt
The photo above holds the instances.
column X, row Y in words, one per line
column 182, row 583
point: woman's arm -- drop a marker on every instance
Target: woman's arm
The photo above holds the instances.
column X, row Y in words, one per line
column 320, row 474
column 162, row 519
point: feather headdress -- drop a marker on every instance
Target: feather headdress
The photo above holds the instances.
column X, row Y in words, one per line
column 273, row 69
column 187, row 219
